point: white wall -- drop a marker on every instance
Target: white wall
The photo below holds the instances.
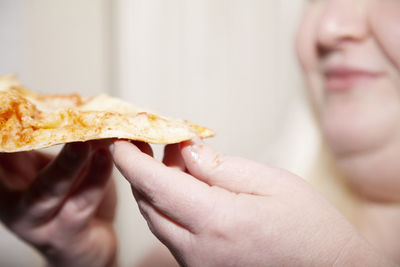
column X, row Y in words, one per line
column 225, row 64
column 58, row 46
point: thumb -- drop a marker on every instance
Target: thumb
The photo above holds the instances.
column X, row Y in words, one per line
column 231, row 173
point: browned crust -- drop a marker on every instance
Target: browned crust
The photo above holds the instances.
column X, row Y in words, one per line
column 29, row 120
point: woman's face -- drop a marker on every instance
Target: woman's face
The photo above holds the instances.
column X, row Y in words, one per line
column 350, row 53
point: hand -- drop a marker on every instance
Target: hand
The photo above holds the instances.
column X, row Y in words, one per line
column 63, row 206
column 227, row 211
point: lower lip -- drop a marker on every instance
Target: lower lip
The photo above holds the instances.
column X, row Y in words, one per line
column 344, row 82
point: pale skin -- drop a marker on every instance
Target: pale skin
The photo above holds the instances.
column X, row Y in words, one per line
column 63, row 206
column 360, row 118
column 214, row 210
column 210, row 209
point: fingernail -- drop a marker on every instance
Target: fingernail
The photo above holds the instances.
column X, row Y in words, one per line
column 194, row 151
column 195, row 156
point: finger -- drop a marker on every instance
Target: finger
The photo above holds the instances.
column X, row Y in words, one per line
column 176, row 194
column 41, row 160
column 8, row 200
column 107, row 208
column 7, row 197
column 234, row 174
column 84, row 200
column 16, row 177
column 144, row 147
column 11, row 162
column 173, row 158
column 166, row 230
column 101, row 143
column 54, row 182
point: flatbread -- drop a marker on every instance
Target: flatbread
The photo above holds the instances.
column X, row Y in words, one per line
column 29, row 120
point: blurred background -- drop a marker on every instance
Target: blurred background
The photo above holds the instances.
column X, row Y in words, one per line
column 229, row 65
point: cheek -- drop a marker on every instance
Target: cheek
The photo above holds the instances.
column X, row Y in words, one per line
column 385, row 24
column 307, row 55
column 362, row 120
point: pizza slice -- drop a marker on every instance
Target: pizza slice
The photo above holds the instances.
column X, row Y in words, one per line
column 29, row 120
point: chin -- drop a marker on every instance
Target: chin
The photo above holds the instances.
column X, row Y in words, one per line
column 369, row 160
column 372, row 178
column 367, row 151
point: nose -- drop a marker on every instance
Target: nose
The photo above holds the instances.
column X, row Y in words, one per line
column 342, row 21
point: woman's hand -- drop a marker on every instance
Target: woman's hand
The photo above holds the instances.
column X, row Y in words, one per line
column 215, row 210
column 62, row 206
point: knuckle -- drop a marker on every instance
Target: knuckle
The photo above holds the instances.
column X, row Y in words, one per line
column 41, row 208
column 217, row 161
column 218, row 229
column 41, row 200
column 74, row 216
column 36, row 209
column 45, row 190
column 216, row 165
column 75, row 210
